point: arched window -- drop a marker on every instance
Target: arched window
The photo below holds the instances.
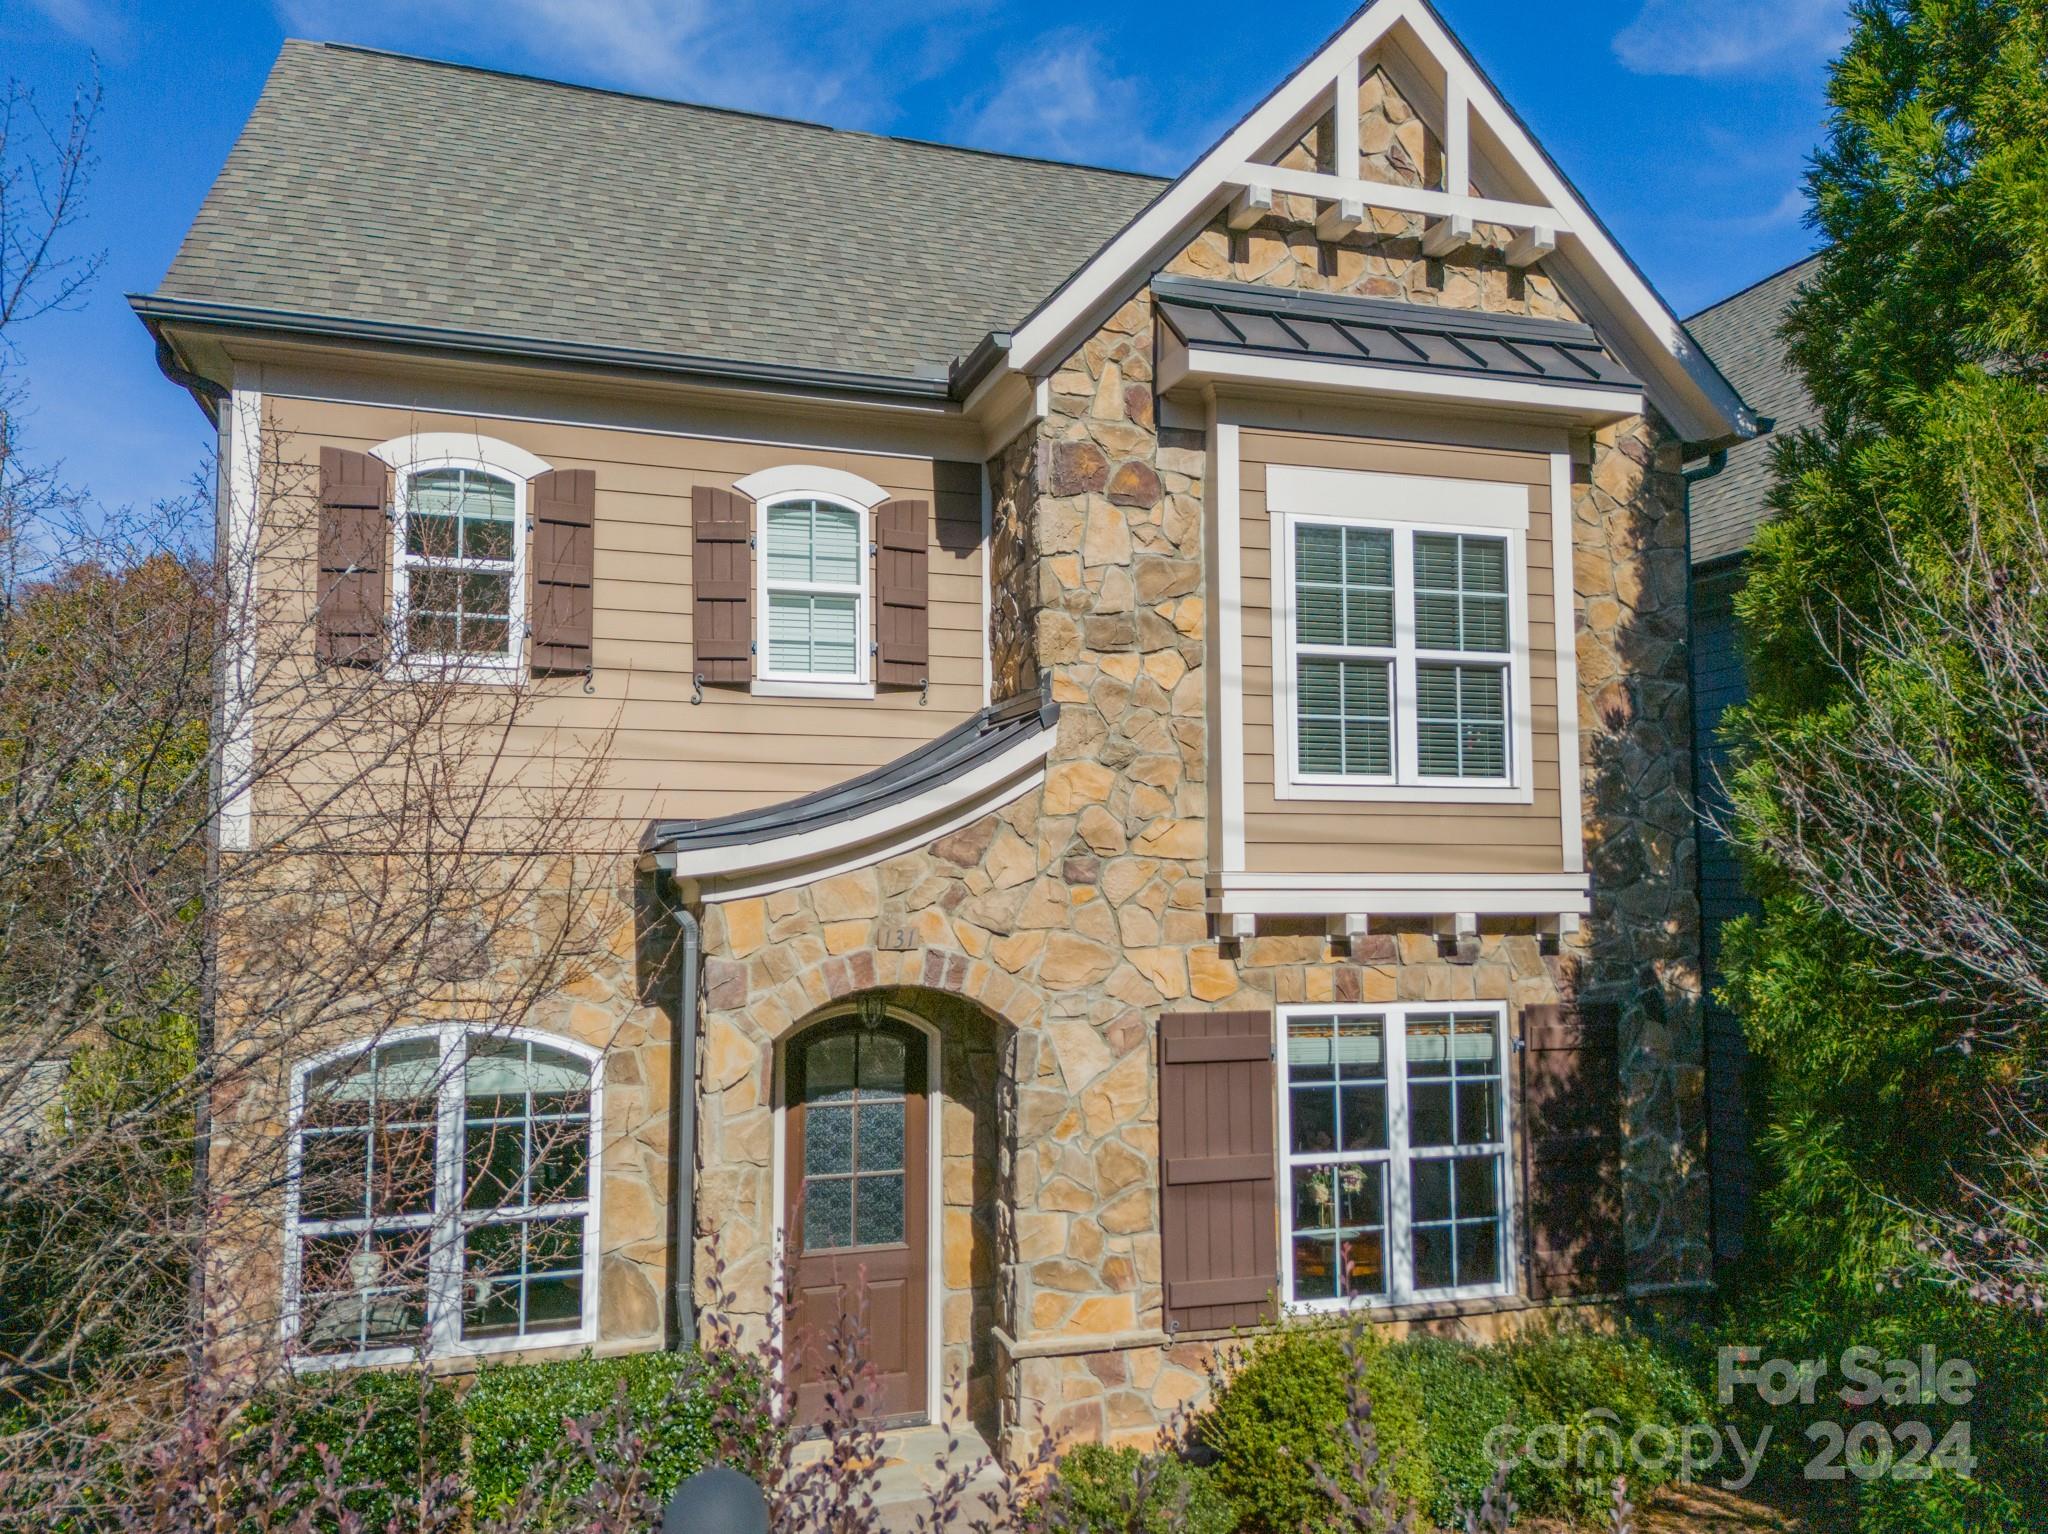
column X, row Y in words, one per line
column 459, row 576
column 441, row 1197
column 814, row 599
column 460, row 586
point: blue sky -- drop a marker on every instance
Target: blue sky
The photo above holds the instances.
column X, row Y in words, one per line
column 1687, row 123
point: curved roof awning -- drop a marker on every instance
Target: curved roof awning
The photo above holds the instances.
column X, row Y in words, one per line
column 938, row 788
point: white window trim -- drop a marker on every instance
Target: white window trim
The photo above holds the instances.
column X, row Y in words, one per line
column 1399, row 1246
column 404, row 662
column 1405, row 505
column 799, row 480
column 444, row 1282
column 770, row 683
column 424, row 448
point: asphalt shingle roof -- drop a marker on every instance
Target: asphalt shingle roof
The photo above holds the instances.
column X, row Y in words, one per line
column 1741, row 335
column 375, row 187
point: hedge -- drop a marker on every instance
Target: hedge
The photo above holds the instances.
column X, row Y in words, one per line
column 1435, row 1404
column 497, row 1430
column 1284, row 1409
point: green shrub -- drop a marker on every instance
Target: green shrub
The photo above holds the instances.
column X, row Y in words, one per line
column 395, row 1431
column 1466, row 1392
column 1101, row 1487
column 1600, row 1390
column 513, row 1414
column 498, row 1431
column 1284, row 1408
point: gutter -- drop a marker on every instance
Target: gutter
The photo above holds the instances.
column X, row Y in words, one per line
column 825, row 383
column 968, row 372
column 1706, row 471
column 683, row 1176
column 206, row 394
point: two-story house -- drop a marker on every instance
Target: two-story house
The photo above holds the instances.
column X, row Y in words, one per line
column 1160, row 709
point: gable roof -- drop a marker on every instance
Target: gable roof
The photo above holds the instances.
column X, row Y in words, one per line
column 1741, row 334
column 1493, row 145
column 384, row 190
column 388, row 199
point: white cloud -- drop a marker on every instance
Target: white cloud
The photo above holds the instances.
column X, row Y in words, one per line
column 1719, row 37
column 1060, row 98
column 1058, row 95
column 802, row 58
column 86, row 20
column 1785, row 213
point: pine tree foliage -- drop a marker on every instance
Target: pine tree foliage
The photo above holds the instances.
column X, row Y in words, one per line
column 1892, row 786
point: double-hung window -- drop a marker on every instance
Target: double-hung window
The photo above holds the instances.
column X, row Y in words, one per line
column 460, row 570
column 1345, row 654
column 1461, row 655
column 1395, row 1140
column 814, row 602
column 1401, row 652
column 440, row 1198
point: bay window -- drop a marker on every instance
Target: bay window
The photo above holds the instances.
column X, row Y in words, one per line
column 1394, row 1137
column 440, row 1197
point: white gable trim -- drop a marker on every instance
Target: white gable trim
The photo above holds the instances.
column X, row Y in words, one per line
column 1607, row 288
column 1191, row 200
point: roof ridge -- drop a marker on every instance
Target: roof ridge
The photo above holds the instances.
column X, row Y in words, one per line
column 1761, row 282
column 720, row 111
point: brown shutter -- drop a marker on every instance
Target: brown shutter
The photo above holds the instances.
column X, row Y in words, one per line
column 903, row 560
column 1218, row 1219
column 564, row 542
column 355, row 557
column 1571, row 1150
column 722, row 585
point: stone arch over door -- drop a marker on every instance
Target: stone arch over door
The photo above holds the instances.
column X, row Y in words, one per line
column 859, row 1094
column 743, row 1176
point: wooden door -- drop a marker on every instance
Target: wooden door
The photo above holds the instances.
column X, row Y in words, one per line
column 859, row 1189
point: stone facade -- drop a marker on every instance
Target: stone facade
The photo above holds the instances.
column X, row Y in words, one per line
column 614, row 998
column 1074, row 916
column 1013, row 514
column 1044, row 941
column 1384, row 257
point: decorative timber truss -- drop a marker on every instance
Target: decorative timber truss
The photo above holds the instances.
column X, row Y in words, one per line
column 1495, row 184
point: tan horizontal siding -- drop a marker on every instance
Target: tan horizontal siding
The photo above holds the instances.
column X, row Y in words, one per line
column 669, row 757
column 1343, row 836
column 1320, row 857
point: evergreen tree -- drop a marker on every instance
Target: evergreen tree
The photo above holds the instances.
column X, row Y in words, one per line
column 1892, row 792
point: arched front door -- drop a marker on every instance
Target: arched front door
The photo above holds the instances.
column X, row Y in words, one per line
column 859, row 1190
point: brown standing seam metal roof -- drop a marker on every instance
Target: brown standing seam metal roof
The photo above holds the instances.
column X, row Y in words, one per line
column 1741, row 335
column 1375, row 332
column 373, row 187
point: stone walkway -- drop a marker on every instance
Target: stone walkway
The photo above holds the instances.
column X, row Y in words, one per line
column 904, row 1484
